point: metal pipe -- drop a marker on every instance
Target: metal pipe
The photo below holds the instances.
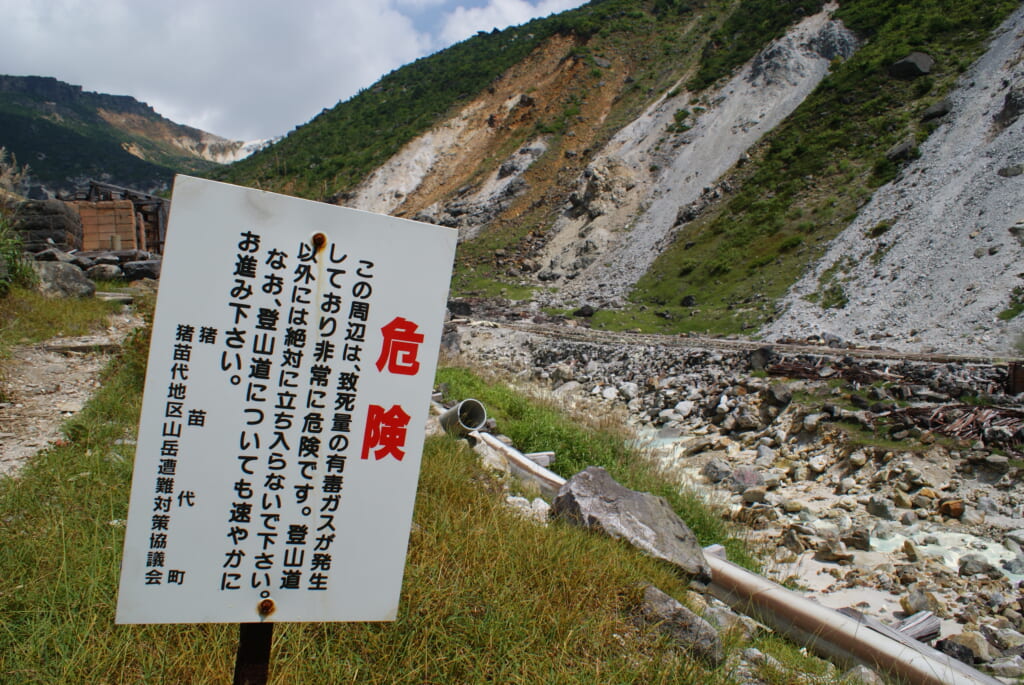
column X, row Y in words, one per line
column 831, row 633
column 521, row 466
column 465, row 417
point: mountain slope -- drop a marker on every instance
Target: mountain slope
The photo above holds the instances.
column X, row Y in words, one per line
column 938, row 253
column 67, row 136
column 678, row 165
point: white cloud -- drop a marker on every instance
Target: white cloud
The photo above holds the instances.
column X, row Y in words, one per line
column 419, row 5
column 463, row 22
column 239, row 68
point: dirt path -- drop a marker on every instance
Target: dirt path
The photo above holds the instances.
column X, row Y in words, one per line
column 47, row 383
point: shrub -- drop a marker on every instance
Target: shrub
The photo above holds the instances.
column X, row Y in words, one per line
column 879, row 229
column 15, row 270
column 791, row 243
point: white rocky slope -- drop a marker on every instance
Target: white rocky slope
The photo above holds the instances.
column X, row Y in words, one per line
column 945, row 269
column 629, row 197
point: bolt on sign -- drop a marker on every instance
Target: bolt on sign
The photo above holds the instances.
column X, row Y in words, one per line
column 293, row 354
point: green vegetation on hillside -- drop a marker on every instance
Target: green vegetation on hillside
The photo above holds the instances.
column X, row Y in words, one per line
column 808, row 177
column 67, row 141
column 803, row 184
column 60, row 153
column 749, row 27
column 332, row 153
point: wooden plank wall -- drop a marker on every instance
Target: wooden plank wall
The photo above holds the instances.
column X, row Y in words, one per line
column 109, row 225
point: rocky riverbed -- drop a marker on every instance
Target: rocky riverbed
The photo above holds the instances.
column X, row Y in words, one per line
column 889, row 486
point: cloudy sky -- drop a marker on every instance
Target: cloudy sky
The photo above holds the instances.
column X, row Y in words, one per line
column 242, row 69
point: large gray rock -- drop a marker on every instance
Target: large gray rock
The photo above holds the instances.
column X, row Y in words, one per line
column 47, row 223
column 53, row 254
column 149, row 268
column 593, row 500
column 974, row 564
column 939, row 109
column 882, row 508
column 1013, row 105
column 57, row 279
column 913, row 65
column 104, row 272
column 685, row 627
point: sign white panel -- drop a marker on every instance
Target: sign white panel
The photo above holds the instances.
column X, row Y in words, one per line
column 294, row 349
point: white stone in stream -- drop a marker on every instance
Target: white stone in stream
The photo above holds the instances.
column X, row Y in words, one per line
column 858, row 459
column 818, row 463
column 610, row 393
column 685, row 408
column 629, row 390
column 1011, row 667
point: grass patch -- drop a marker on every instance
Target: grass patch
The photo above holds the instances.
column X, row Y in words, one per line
column 1016, row 305
column 879, row 229
column 27, row 317
column 475, row 284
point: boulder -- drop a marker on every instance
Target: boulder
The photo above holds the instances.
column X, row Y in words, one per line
column 745, row 477
column 684, row 408
column 47, row 223
column 975, row 644
column 458, row 308
column 882, row 508
column 58, row 279
column 1010, row 667
column 106, row 258
column 686, row 628
column 83, row 263
column 939, row 109
column 956, row 650
column 1013, row 105
column 52, row 254
column 716, row 470
column 149, row 268
column 104, row 272
column 779, row 395
column 912, row 66
column 953, row 508
column 760, row 358
column 901, row 151
column 862, row 675
column 586, row 311
column 629, row 390
column 974, row 564
column 593, row 500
